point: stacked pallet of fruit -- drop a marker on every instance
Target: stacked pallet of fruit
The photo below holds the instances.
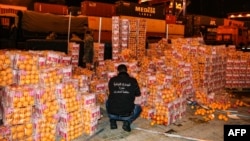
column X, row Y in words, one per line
column 17, row 111
column 133, row 38
column 26, row 68
column 124, row 33
column 53, row 68
column 167, row 83
column 120, row 34
column 163, row 80
column 238, row 68
column 70, row 125
column 208, row 63
column 74, row 52
column 6, row 75
column 98, row 52
column 4, row 133
column 99, row 87
column 83, row 76
column 141, row 39
column 91, row 112
column 115, row 37
column 18, row 99
column 45, row 117
column 142, row 100
column 40, row 99
column 128, row 34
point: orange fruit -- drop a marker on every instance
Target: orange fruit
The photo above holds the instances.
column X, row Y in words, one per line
column 13, row 130
column 7, row 61
column 1, row 61
column 30, row 61
column 5, row 78
column 28, row 67
column 220, row 117
column 34, row 67
column 28, row 98
column 19, row 104
column 3, row 73
column 14, row 136
column 32, row 102
column 21, row 66
column 28, row 132
column 27, row 81
column 20, row 128
column 28, row 126
column 20, row 135
column 9, row 76
column 2, row 56
column 29, row 139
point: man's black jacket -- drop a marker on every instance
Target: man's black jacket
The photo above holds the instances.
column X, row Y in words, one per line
column 122, row 92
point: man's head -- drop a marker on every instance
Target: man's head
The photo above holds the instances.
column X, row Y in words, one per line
column 122, row 68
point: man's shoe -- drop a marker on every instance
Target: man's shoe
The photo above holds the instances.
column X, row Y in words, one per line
column 113, row 124
column 126, row 126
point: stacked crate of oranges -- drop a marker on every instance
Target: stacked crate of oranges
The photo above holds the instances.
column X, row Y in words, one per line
column 17, row 111
column 6, row 75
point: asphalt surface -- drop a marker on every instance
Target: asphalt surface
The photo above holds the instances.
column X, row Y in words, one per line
column 190, row 128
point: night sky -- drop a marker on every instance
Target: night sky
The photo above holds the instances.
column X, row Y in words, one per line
column 217, row 8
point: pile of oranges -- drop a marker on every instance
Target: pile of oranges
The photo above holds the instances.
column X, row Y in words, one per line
column 201, row 97
column 19, row 96
column 50, row 76
column 18, row 111
column 45, row 94
column 5, row 133
column 46, row 130
column 6, row 75
column 206, row 114
column 72, row 123
column 82, row 80
column 18, row 116
column 220, row 106
column 88, row 99
column 21, row 131
column 147, row 112
column 26, row 61
column 66, row 90
column 27, row 77
column 26, row 66
column 50, row 108
column 168, row 95
column 101, row 97
column 160, row 116
column 223, row 117
column 5, row 61
column 240, row 103
column 70, row 104
column 90, row 114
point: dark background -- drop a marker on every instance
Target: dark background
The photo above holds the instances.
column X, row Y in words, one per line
column 218, row 8
column 215, row 8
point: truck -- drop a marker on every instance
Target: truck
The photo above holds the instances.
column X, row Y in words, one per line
column 236, row 35
column 231, row 33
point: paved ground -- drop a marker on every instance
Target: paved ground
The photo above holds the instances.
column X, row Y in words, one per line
column 189, row 128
